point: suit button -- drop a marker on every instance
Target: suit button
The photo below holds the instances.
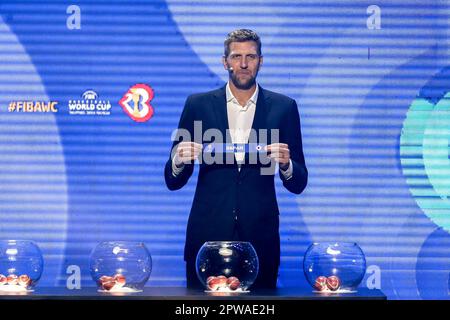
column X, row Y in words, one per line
column 239, row 182
column 235, row 218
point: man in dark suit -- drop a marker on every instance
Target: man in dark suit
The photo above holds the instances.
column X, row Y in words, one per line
column 236, row 200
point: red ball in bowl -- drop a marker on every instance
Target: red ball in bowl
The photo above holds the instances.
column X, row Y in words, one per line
column 233, row 283
column 24, row 280
column 333, row 283
column 321, row 283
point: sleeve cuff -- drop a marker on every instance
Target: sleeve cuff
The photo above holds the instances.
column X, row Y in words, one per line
column 287, row 174
column 175, row 170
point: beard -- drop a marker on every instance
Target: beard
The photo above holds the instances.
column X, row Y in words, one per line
column 242, row 84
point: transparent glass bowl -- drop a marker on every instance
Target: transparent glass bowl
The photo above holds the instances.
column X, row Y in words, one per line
column 120, row 266
column 334, row 267
column 227, row 266
column 21, row 265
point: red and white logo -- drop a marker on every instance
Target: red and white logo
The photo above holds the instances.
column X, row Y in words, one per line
column 136, row 102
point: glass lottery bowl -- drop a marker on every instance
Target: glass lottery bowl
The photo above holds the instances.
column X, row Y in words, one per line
column 120, row 266
column 334, row 267
column 227, row 266
column 21, row 265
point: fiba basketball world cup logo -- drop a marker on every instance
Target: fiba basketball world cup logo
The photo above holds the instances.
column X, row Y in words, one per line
column 136, row 102
column 424, row 154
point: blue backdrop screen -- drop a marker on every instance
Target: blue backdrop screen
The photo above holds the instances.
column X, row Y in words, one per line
column 371, row 81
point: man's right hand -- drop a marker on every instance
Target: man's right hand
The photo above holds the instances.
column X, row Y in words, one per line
column 186, row 152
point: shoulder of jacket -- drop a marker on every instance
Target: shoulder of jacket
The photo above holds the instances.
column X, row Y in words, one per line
column 278, row 97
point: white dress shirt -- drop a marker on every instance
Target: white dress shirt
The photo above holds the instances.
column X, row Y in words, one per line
column 240, row 120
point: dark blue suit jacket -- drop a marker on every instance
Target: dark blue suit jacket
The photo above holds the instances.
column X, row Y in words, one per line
column 226, row 197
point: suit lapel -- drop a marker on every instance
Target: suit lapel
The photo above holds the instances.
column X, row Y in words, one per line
column 220, row 110
column 259, row 120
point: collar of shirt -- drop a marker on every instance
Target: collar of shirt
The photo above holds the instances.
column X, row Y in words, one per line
column 230, row 98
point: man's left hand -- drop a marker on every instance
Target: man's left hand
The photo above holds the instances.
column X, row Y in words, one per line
column 280, row 153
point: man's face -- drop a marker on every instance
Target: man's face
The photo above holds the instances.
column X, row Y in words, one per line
column 245, row 61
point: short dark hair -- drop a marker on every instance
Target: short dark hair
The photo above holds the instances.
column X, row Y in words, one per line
column 241, row 35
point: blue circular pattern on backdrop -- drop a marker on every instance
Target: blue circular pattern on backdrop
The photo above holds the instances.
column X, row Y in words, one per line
column 424, row 150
